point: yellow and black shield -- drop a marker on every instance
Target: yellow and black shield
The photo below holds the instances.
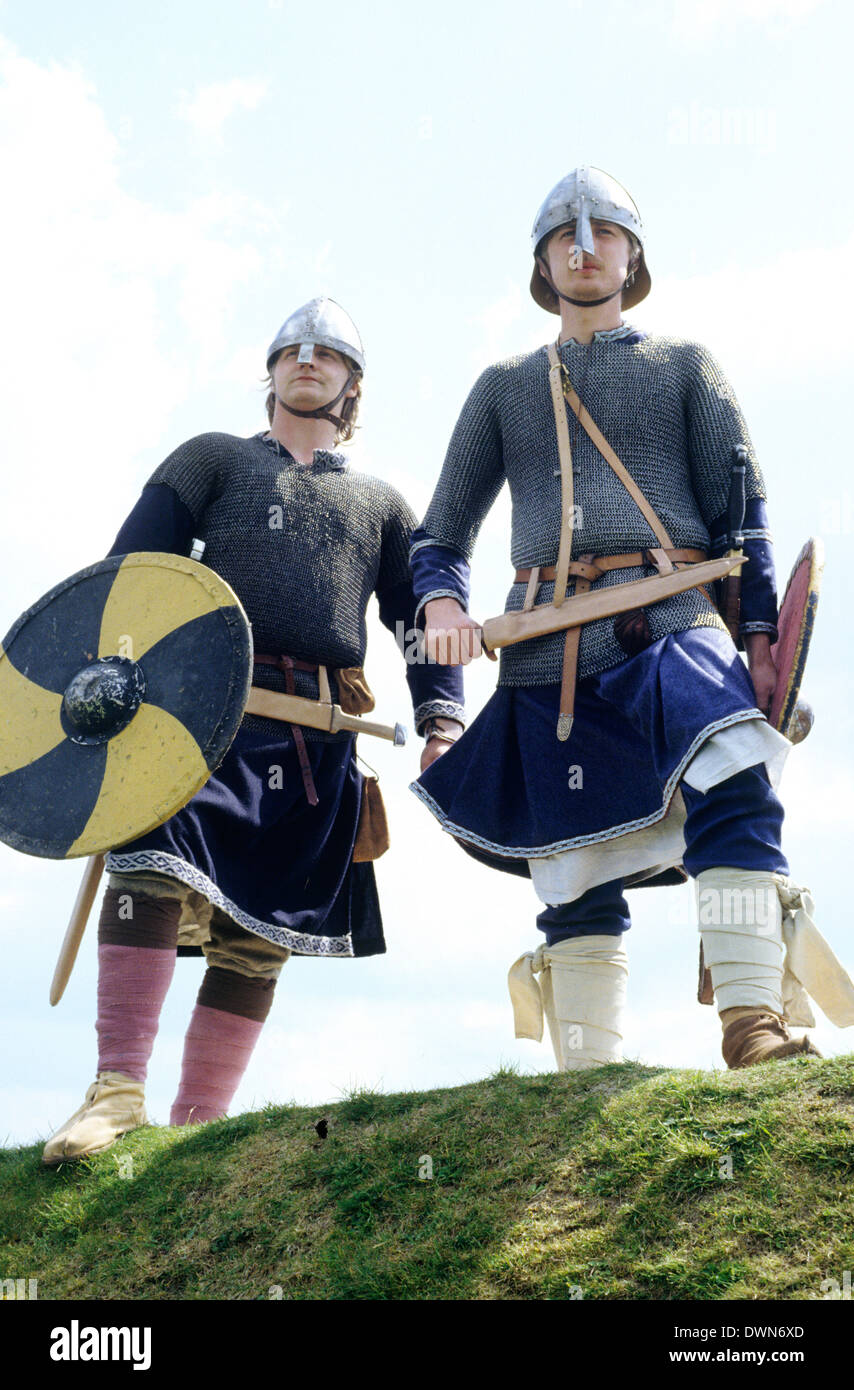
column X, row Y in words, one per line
column 120, row 692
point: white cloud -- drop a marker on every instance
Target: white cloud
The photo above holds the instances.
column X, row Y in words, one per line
column 737, row 305
column 211, row 106
column 115, row 311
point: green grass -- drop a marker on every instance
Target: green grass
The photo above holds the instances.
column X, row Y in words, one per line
column 603, row 1185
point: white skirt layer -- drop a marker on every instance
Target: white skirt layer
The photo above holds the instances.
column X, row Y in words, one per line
column 561, row 878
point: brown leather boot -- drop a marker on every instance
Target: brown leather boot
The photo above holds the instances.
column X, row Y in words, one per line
column 752, row 1036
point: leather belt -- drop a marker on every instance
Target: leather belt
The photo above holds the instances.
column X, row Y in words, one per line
column 585, row 571
column 289, row 664
column 598, row 565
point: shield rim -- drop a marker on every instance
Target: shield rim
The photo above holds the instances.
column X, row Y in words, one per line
column 813, row 549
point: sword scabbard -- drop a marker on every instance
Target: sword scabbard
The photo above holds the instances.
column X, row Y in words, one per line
column 509, row 628
column 314, row 714
column 77, row 926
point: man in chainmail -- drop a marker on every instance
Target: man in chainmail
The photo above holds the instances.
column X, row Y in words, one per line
column 273, row 856
column 603, row 762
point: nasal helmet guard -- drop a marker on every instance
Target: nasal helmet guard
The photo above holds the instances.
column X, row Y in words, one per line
column 320, row 323
column 584, row 195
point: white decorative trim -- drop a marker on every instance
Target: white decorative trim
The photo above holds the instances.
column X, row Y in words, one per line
column 302, row 943
column 421, row 545
column 758, row 533
column 441, row 709
column 540, row 851
column 606, row 335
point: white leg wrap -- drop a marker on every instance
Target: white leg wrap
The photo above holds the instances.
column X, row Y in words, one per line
column 741, row 924
column 763, row 948
column 581, row 990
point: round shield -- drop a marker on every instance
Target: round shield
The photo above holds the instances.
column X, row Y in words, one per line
column 794, row 628
column 120, row 692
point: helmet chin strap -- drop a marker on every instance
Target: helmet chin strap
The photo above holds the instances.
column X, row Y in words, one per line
column 323, row 412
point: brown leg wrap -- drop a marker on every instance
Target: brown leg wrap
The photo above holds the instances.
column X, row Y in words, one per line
column 752, row 1037
column 136, row 919
column 236, row 994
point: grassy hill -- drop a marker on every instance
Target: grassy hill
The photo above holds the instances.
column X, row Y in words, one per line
column 611, row 1184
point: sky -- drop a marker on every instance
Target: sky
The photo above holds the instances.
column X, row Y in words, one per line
column 177, row 178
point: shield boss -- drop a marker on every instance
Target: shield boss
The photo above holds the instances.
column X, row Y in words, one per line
column 120, row 693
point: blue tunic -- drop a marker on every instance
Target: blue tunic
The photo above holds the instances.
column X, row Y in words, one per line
column 509, row 791
column 253, row 846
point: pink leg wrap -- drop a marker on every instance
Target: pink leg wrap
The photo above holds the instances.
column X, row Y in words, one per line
column 132, row 984
column 217, row 1050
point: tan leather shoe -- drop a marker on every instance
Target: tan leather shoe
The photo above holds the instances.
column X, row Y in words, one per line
column 751, row 1036
column 114, row 1104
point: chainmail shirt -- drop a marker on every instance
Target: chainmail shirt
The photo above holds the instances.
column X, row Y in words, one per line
column 668, row 412
column 303, row 547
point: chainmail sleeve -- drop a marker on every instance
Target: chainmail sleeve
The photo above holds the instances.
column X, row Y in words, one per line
column 397, row 528
column 473, row 472
column 715, row 425
column 196, row 470
column 435, row 690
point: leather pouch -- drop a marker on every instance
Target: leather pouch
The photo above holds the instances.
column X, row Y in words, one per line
column 631, row 630
column 372, row 839
column 354, row 693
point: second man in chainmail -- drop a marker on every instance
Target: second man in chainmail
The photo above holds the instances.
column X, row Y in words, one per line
column 617, row 757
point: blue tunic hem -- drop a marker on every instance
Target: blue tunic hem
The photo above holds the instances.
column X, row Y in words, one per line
column 157, row 860
column 578, row 841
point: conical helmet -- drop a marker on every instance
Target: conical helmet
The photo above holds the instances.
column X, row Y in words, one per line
column 319, row 323
column 584, row 194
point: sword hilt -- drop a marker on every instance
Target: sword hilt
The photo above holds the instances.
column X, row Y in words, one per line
column 737, row 504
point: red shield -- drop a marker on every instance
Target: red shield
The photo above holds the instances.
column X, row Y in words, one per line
column 789, row 653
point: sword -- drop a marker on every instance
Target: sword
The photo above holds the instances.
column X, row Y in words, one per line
column 509, row 628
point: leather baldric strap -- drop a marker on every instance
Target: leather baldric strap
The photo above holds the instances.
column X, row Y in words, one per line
column 587, row 568
column 590, row 427
column 566, row 493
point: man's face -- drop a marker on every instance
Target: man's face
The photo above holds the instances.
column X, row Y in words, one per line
column 598, row 274
column 307, row 385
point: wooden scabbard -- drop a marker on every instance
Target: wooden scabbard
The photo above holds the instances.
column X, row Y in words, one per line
column 731, row 597
column 316, row 714
column 509, row 628
column 76, row 927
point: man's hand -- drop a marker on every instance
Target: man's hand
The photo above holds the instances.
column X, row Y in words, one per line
column 435, row 747
column 763, row 672
column 451, row 637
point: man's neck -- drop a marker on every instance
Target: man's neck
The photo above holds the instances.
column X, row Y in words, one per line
column 301, row 436
column 581, row 324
